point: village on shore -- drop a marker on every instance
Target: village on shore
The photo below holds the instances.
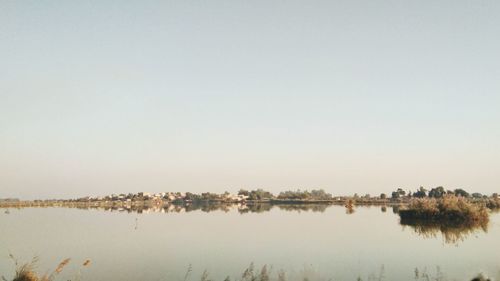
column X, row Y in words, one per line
column 243, row 196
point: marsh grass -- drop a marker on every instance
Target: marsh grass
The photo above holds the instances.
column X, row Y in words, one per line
column 449, row 210
column 493, row 203
column 266, row 273
column 27, row 271
column 455, row 218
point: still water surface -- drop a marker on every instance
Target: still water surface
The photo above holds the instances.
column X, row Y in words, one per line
column 328, row 244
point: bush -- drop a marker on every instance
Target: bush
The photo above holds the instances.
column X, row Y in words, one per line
column 451, row 209
column 305, row 195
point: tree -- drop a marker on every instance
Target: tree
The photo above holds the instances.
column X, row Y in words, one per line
column 243, row 192
column 294, row 195
column 383, row 196
column 259, row 194
column 401, row 192
column 192, row 197
column 398, row 193
column 394, row 195
column 208, row 196
column 461, row 192
column 421, row 193
column 477, row 195
column 320, row 195
column 437, row 192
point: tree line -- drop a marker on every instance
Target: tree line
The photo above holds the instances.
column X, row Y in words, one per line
column 437, row 192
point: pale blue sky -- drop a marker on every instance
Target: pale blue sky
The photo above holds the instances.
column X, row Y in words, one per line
column 101, row 97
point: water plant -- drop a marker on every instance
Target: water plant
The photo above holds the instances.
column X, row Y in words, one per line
column 452, row 210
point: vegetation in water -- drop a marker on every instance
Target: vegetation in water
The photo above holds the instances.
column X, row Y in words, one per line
column 450, row 209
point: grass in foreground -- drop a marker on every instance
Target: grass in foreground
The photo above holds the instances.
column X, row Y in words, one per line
column 26, row 272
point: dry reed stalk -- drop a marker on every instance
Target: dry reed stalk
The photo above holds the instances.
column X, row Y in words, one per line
column 61, row 266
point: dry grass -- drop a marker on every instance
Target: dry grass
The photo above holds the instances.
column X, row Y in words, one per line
column 493, row 203
column 450, row 210
column 27, row 271
column 454, row 217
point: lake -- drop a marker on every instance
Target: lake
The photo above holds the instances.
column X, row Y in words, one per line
column 318, row 242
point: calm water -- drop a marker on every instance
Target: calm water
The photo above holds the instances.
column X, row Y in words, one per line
column 323, row 244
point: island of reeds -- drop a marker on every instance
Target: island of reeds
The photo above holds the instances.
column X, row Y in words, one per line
column 450, row 209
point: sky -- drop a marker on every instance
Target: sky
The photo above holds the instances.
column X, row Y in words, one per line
column 352, row 96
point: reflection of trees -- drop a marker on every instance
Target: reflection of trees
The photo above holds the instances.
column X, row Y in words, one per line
column 255, row 208
column 204, row 206
column 452, row 233
column 208, row 207
column 308, row 207
column 349, row 210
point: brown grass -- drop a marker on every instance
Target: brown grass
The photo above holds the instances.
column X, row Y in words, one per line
column 27, row 271
column 449, row 209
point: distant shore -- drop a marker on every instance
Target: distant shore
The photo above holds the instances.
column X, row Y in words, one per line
column 253, row 197
column 164, row 203
column 151, row 203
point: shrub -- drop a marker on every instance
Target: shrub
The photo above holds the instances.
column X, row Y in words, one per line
column 451, row 209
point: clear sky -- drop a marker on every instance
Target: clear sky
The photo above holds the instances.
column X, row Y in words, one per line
column 100, row 97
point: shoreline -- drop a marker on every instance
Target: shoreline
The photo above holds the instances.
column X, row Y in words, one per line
column 164, row 203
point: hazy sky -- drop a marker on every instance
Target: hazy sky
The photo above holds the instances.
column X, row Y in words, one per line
column 100, row 97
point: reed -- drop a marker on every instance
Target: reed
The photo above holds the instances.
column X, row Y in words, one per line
column 452, row 210
column 26, row 272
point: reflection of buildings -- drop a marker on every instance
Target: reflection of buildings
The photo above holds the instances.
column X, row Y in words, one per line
column 153, row 206
column 203, row 207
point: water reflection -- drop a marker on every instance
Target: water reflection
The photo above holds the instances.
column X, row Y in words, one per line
column 349, row 210
column 452, row 233
column 207, row 207
column 211, row 207
column 161, row 246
